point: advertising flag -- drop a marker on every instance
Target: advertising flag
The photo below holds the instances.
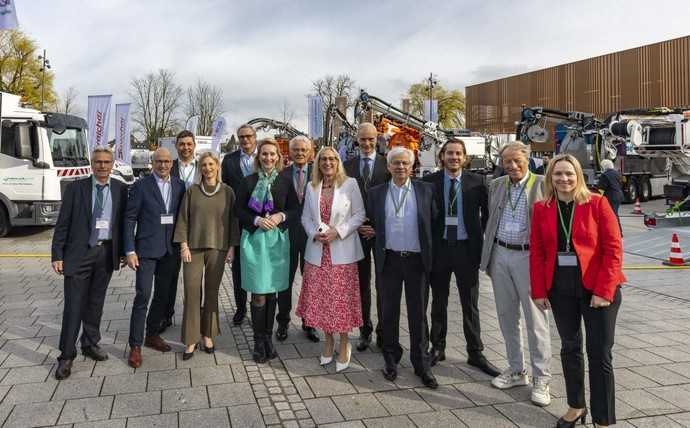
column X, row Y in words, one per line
column 315, row 112
column 122, row 142
column 217, row 133
column 192, row 124
column 99, row 118
column 431, row 114
column 8, row 15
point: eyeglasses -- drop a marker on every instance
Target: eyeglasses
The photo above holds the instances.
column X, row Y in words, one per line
column 401, row 163
column 103, row 162
column 162, row 161
column 245, row 136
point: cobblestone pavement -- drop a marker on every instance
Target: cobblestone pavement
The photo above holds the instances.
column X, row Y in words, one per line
column 652, row 359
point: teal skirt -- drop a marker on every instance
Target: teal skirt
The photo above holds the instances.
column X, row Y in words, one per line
column 265, row 260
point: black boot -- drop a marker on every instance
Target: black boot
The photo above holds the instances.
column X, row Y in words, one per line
column 259, row 326
column 270, row 318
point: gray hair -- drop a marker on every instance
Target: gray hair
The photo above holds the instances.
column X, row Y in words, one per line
column 397, row 151
column 300, row 139
column 516, row 145
column 606, row 164
column 103, row 149
column 247, row 126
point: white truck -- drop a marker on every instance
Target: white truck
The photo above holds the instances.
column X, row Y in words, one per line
column 40, row 153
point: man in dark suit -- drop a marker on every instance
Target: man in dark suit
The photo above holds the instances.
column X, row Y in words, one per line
column 299, row 174
column 369, row 169
column 86, row 249
column 152, row 211
column 401, row 212
column 458, row 236
column 235, row 167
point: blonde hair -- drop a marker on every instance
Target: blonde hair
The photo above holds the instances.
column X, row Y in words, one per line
column 582, row 194
column 268, row 142
column 316, row 176
column 215, row 159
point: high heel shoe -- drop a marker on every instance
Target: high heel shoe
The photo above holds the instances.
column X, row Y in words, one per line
column 342, row 366
column 562, row 423
column 209, row 349
column 324, row 361
column 187, row 355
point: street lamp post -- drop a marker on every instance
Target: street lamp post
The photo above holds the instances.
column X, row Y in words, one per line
column 45, row 65
column 432, row 83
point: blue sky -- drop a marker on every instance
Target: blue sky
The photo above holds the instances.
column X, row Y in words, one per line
column 266, row 53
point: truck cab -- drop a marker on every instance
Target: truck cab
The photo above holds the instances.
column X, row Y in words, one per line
column 40, row 153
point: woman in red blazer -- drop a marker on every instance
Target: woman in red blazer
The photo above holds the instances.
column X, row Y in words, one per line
column 576, row 257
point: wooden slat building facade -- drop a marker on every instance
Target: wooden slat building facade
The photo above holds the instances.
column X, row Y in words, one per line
column 656, row 75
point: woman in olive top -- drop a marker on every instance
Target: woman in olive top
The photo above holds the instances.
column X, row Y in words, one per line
column 207, row 231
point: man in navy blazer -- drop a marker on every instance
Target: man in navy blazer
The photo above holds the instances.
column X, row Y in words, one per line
column 86, row 249
column 235, row 167
column 401, row 212
column 152, row 211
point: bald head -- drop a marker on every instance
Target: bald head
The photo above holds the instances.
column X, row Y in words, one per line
column 366, row 138
column 162, row 162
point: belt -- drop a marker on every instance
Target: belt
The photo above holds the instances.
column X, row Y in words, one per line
column 102, row 242
column 403, row 254
column 516, row 247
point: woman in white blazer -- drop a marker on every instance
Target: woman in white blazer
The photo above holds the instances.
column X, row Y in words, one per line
column 329, row 299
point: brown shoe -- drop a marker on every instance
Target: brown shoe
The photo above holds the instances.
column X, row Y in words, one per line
column 157, row 343
column 134, row 359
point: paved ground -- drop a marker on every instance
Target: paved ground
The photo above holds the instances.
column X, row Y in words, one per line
column 652, row 359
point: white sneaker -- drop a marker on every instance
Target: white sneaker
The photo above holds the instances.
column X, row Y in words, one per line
column 540, row 391
column 508, row 379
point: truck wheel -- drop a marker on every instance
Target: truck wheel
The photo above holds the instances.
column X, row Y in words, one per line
column 4, row 222
column 645, row 190
column 630, row 191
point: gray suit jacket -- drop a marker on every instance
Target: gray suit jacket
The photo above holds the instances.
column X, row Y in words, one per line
column 498, row 193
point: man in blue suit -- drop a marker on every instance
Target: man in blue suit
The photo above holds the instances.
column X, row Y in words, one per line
column 152, row 211
column 401, row 213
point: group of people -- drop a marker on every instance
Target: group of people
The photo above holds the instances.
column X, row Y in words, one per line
column 546, row 242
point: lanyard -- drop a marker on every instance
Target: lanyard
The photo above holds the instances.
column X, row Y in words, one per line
column 569, row 230
column 513, row 207
column 401, row 199
column 166, row 199
column 185, row 178
column 100, row 203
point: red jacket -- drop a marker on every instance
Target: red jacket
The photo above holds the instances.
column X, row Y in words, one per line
column 597, row 241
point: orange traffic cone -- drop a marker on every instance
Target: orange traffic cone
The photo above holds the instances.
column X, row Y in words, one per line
column 638, row 209
column 675, row 257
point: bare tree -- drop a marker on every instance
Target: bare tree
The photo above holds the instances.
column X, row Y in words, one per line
column 156, row 100
column 66, row 102
column 330, row 87
column 287, row 113
column 206, row 101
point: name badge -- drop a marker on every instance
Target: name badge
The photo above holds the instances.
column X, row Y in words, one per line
column 166, row 219
column 451, row 221
column 567, row 259
column 102, row 224
column 511, row 226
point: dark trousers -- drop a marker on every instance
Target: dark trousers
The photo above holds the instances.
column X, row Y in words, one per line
column 569, row 309
column 84, row 298
column 240, row 293
column 156, row 274
column 455, row 260
column 364, row 271
column 285, row 297
column 407, row 271
column 172, row 297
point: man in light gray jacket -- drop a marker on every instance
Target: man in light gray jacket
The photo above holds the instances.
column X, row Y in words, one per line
column 505, row 258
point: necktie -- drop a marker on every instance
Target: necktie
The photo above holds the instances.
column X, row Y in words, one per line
column 366, row 172
column 452, row 231
column 300, row 184
column 97, row 213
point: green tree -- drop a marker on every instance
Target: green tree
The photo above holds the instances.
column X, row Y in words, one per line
column 451, row 103
column 21, row 70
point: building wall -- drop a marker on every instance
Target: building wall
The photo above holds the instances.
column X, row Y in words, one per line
column 656, row 75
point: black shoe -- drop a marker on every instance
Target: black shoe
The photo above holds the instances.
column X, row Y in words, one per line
column 364, row 342
column 390, row 373
column 63, row 370
column 436, row 355
column 271, row 352
column 239, row 316
column 282, row 332
column 310, row 333
column 210, row 349
column 479, row 361
column 562, row 423
column 428, row 379
column 187, row 355
column 94, row 352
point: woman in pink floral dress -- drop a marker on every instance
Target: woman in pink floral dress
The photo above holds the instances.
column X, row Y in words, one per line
column 329, row 300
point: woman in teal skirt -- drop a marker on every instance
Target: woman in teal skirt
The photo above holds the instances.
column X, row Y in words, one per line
column 265, row 204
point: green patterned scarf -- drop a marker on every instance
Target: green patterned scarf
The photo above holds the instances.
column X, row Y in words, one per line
column 261, row 200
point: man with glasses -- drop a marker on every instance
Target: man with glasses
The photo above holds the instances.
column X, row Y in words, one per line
column 152, row 212
column 86, row 249
column 235, row 167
